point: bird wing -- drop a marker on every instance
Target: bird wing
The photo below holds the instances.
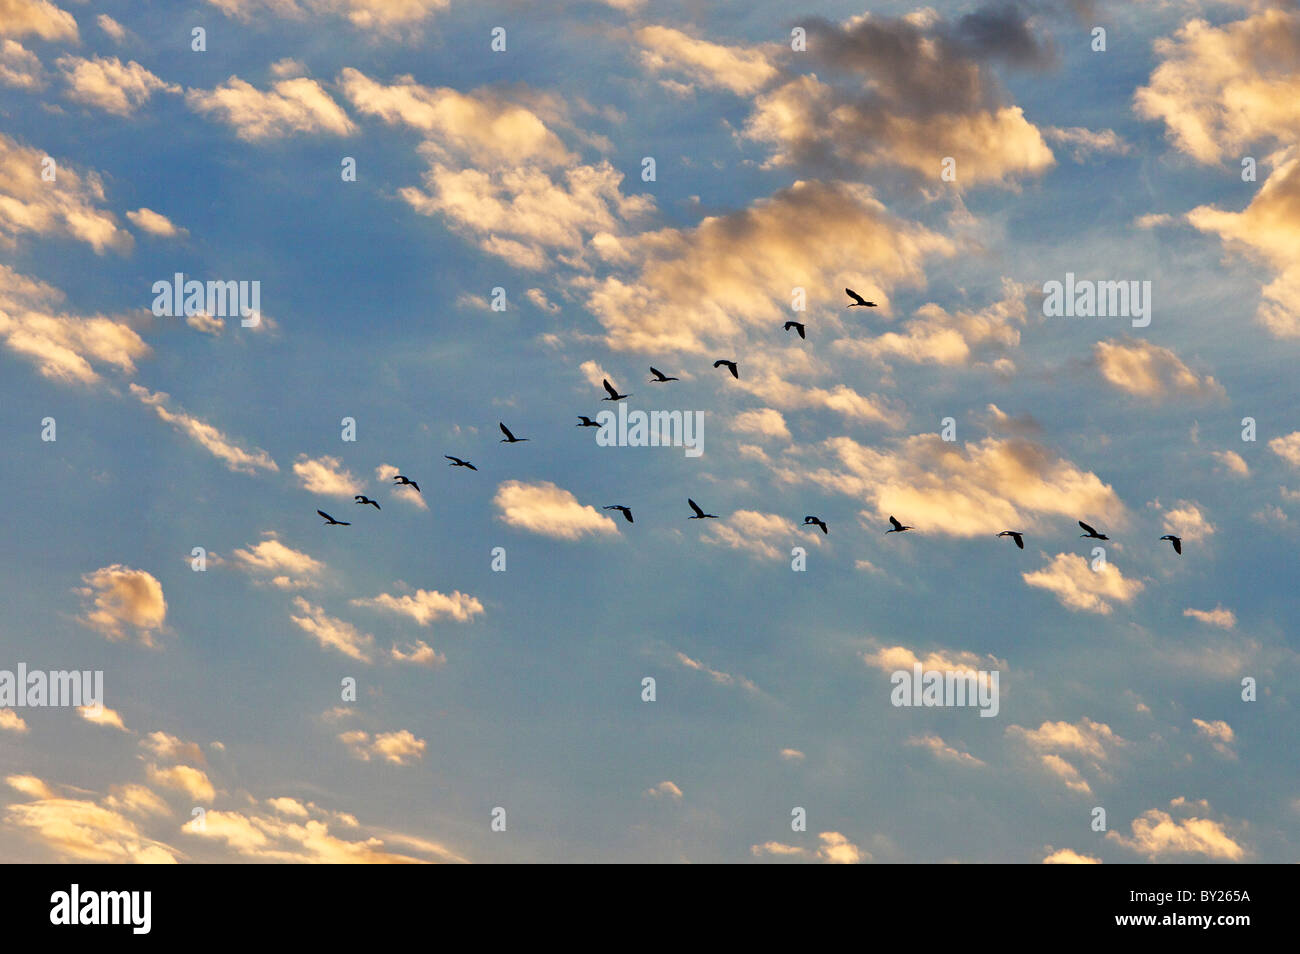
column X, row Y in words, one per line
column 609, row 387
column 855, row 296
column 628, row 513
column 1178, row 545
column 324, row 514
column 735, row 372
column 506, row 431
column 897, row 525
column 1086, row 528
column 454, row 460
column 1020, row 541
column 657, row 373
column 695, row 506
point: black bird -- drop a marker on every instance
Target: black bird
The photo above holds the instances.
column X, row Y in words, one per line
column 406, row 481
column 586, row 422
column 729, row 365
column 660, row 377
column 1176, row 541
column 699, row 514
column 509, row 438
column 366, row 500
column 331, row 522
column 797, row 327
column 814, row 522
column 457, row 462
column 613, row 394
column 1017, row 535
column 1091, row 533
column 624, row 510
column 898, row 527
column 859, row 300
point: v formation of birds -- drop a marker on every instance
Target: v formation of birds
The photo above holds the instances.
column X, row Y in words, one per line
column 732, row 366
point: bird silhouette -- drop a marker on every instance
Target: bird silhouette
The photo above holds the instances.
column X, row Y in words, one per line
column 814, row 522
column 1091, row 533
column 406, row 481
column 366, row 500
column 457, row 462
column 729, row 365
column 586, row 422
column 898, row 527
column 797, row 327
column 509, row 438
column 858, row 300
column 613, row 394
column 624, row 510
column 699, row 514
column 1176, row 541
column 660, row 377
column 331, row 522
column 1017, row 535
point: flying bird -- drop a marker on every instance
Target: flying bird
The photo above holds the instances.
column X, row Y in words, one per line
column 613, row 394
column 406, row 481
column 509, row 438
column 1091, row 533
column 660, row 377
column 457, row 462
column 623, row 510
column 366, row 500
column 699, row 514
column 858, row 300
column 729, row 365
column 797, row 327
column 898, row 527
column 1176, row 541
column 1017, row 535
column 331, row 522
column 814, row 522
column 586, row 422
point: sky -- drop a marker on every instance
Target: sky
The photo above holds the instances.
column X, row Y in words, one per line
column 464, row 215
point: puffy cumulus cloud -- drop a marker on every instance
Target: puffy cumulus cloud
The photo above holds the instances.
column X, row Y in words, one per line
column 427, row 605
column 1086, row 737
column 834, row 848
column 419, row 653
column 333, row 633
column 1223, row 618
column 1148, row 370
column 943, row 750
column 103, row 716
column 20, row 67
column 326, row 476
column 936, row 336
column 1079, row 587
column 400, row 748
column 740, row 70
column 108, row 84
column 1065, row 856
column 1219, row 734
column 70, row 205
column 1158, row 835
column 289, row 806
column 792, row 755
column 124, row 602
column 765, row 535
column 665, row 789
column 76, row 829
column 112, row 29
column 1221, row 89
column 1233, row 461
column 1287, row 447
column 11, row 721
column 549, row 510
column 155, row 223
column 1186, row 519
column 388, row 17
column 1066, row 772
column 764, row 422
column 136, row 800
column 205, row 435
column 403, row 492
column 282, row 566
column 169, row 748
column 705, row 285
column 717, row 675
column 1084, row 143
column 963, row 490
column 893, row 659
column 184, row 778
column 203, row 322
column 908, row 92
column 298, row 105
column 36, row 17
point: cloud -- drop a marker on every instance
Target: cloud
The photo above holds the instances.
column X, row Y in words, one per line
column 184, row 778
column 1219, row 734
column 765, row 535
column 665, row 790
column 1223, row 618
column 943, row 750
column 298, row 105
column 549, row 510
column 38, row 17
column 106, row 83
column 1085, row 737
column 741, row 71
column 765, row 422
column 403, row 492
column 326, row 475
column 721, row 678
column 539, row 299
column 333, row 633
column 388, row 17
column 69, row 205
column 792, row 755
column 103, row 716
column 892, row 659
column 172, row 749
column 236, row 459
column 114, row 30
column 1288, row 448
column 281, row 566
column 11, row 721
column 1148, row 370
column 19, row 67
column 1079, row 587
column 1233, row 461
column 155, row 223
column 400, row 748
column 834, row 849
column 427, row 605
column 418, row 654
column 1084, row 143
column 1064, row 856
column 125, row 602
column 81, row 830
column 1157, row 835
column 1185, row 519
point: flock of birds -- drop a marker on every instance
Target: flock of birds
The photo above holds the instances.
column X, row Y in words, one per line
column 612, row 394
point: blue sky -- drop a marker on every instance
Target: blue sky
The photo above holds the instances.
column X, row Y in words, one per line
column 1121, row 680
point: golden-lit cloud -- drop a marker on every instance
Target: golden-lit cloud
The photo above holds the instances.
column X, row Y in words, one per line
column 764, row 422
column 124, row 603
column 1079, row 587
column 1187, row 520
column 11, row 721
column 665, row 789
column 169, row 748
column 275, row 563
column 69, row 205
column 740, row 70
column 400, row 748
column 721, row 678
column 385, row 17
column 36, row 17
column 184, row 778
column 103, row 715
column 425, row 606
column 20, row 67
column 943, row 750
column 291, row 106
column 1147, row 370
column 327, row 476
column 1158, row 835
column 155, row 223
column 205, row 435
column 76, row 829
column 107, row 83
column 1065, row 856
column 1223, row 618
column 1219, row 734
column 333, row 633
column 551, row 511
column 765, row 535
column 403, row 492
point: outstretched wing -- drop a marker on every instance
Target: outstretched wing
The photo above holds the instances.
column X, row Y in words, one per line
column 657, row 373
column 1020, row 541
column 609, row 387
column 897, row 525
column 324, row 514
column 506, row 431
column 1178, row 546
column 1086, row 528
column 855, row 296
column 695, row 507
